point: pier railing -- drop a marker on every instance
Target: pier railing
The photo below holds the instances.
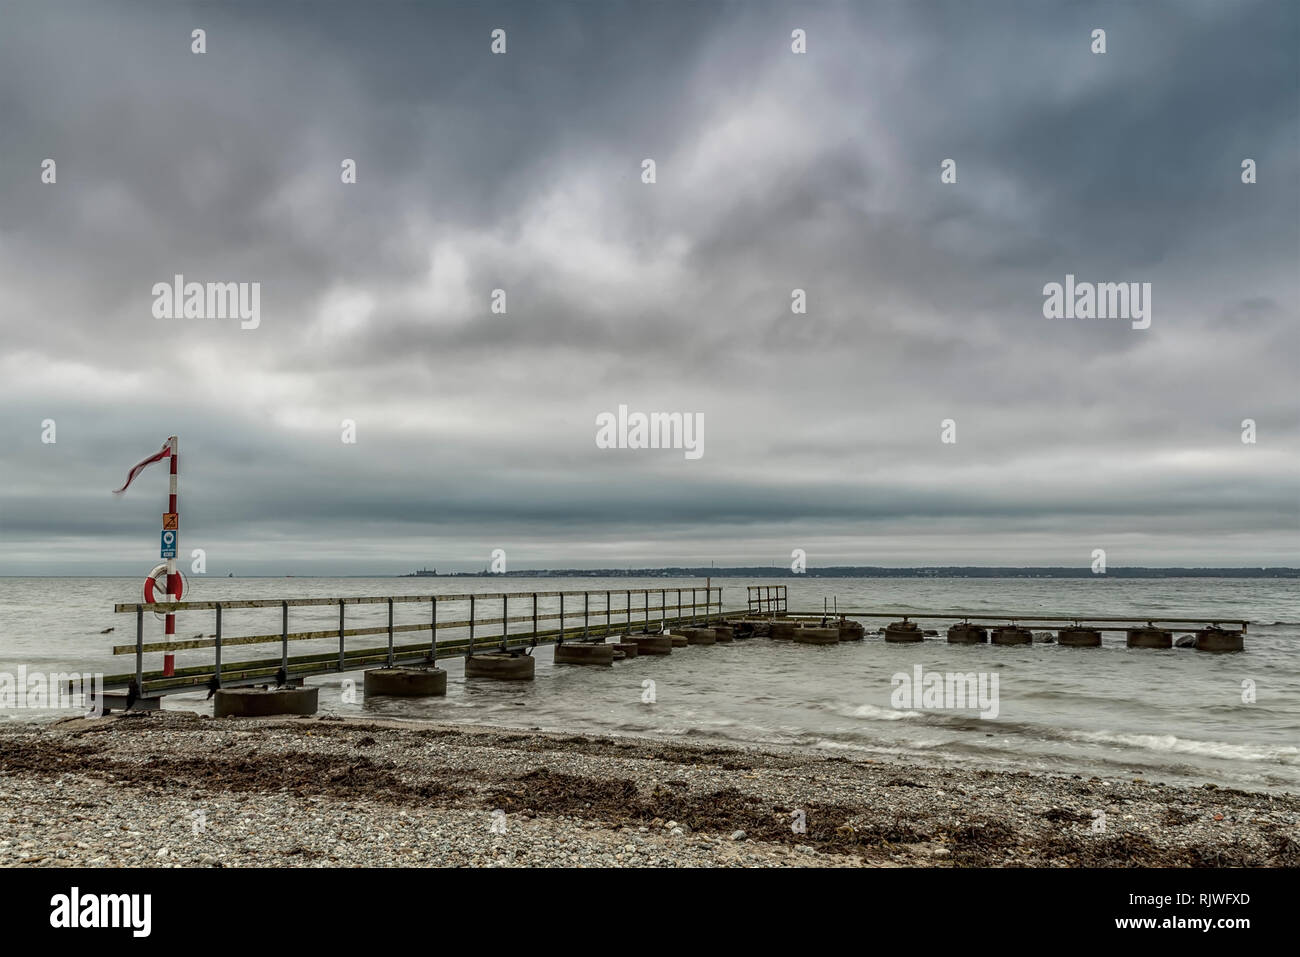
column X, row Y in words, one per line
column 766, row 599
column 482, row 621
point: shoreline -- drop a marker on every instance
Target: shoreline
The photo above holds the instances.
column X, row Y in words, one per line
column 176, row 788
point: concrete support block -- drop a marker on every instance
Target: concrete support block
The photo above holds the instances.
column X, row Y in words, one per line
column 1150, row 638
column 679, row 640
column 723, row 633
column 781, row 629
column 116, row 701
column 851, row 630
column 627, row 647
column 967, row 634
column 502, row 666
column 584, row 653
column 699, row 636
column 817, row 636
column 406, row 682
column 263, row 702
column 653, row 644
column 903, row 631
column 1079, row 637
column 1219, row 639
column 1011, row 635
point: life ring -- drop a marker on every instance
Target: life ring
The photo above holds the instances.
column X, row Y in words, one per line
column 155, row 586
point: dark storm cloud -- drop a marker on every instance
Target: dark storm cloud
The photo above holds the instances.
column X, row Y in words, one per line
column 776, row 171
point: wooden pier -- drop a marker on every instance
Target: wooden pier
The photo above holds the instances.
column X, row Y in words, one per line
column 489, row 627
column 496, row 632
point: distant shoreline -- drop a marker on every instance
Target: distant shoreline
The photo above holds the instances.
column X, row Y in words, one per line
column 838, row 571
column 872, row 571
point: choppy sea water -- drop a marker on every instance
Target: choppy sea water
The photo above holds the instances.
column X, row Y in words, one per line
column 1177, row 715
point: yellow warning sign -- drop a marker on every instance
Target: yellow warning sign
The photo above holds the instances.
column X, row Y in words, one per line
column 170, row 521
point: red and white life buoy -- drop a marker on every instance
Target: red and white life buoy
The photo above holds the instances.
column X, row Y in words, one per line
column 155, row 586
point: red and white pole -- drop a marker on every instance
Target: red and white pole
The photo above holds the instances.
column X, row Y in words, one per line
column 173, row 578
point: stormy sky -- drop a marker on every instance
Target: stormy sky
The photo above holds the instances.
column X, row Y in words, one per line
column 775, row 171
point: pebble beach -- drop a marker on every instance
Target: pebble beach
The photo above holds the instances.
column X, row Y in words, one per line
column 174, row 788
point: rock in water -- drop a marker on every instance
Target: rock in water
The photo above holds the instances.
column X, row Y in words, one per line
column 1185, row 641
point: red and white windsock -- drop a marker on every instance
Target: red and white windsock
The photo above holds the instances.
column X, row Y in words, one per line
column 166, row 452
column 169, row 450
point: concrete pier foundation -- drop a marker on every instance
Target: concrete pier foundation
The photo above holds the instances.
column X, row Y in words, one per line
column 1219, row 639
column 653, row 644
column 903, row 631
column 406, row 682
column 584, row 653
column 817, row 636
column 699, row 636
column 1011, row 635
column 679, row 640
column 851, row 630
column 723, row 633
column 781, row 629
column 1079, row 637
column 502, row 666
column 263, row 702
column 627, row 647
column 1150, row 638
column 110, row 701
column 967, row 634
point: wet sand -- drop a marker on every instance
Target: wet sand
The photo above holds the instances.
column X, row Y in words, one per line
column 178, row 788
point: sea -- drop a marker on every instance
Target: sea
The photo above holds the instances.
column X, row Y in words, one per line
column 1178, row 715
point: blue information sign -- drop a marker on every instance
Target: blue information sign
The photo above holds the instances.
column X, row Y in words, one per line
column 168, row 549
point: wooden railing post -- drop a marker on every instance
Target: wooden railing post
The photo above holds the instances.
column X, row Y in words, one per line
column 433, row 629
column 218, row 646
column 390, row 632
column 342, row 605
column 139, row 649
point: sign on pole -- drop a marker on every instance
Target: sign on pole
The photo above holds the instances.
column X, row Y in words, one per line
column 168, row 549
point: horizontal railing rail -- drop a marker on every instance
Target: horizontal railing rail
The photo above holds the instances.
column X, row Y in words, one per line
column 164, row 606
column 1035, row 618
column 580, row 614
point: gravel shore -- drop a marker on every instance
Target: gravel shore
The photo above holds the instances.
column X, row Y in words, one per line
column 175, row 788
